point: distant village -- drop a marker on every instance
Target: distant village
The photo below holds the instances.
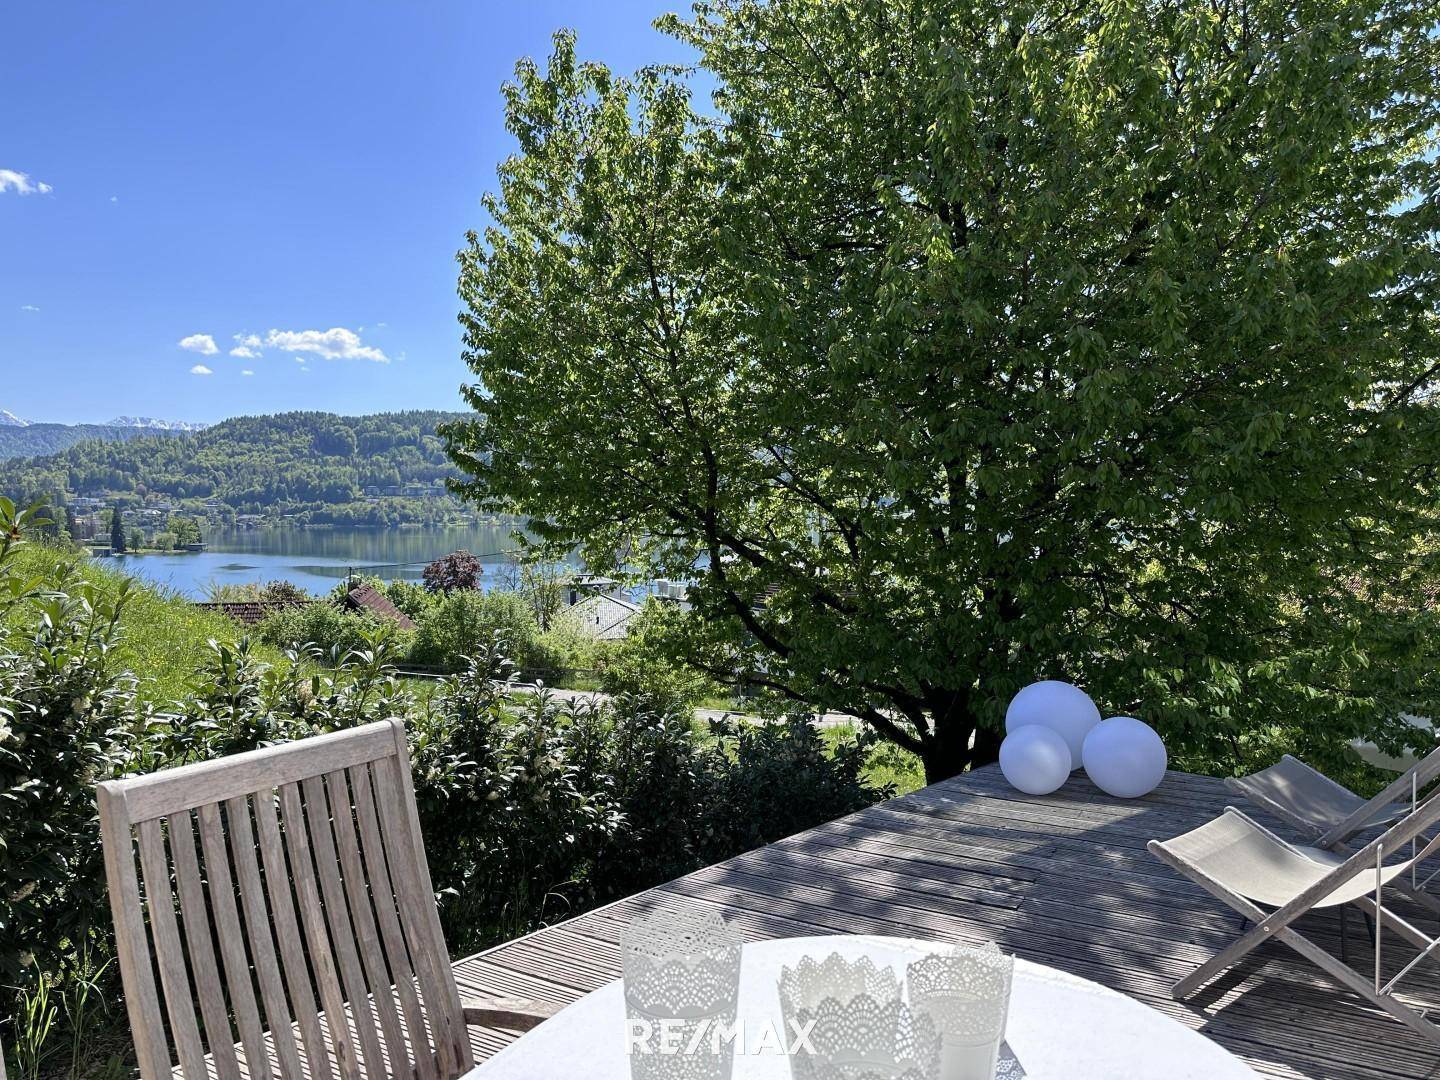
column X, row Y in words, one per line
column 161, row 523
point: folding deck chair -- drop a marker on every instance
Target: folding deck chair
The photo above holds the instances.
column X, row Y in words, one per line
column 1272, row 883
column 1329, row 815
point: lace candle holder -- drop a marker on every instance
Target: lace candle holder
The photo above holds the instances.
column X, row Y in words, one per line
column 682, row 984
column 966, row 992
column 859, row 1027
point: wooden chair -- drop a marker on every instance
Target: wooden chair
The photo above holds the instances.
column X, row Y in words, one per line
column 287, row 889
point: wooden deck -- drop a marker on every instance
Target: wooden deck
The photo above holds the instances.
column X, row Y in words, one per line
column 1062, row 880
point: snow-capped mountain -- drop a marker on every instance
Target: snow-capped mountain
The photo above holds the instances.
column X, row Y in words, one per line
column 152, row 424
column 35, row 438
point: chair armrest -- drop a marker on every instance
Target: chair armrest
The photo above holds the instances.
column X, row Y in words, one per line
column 514, row 1014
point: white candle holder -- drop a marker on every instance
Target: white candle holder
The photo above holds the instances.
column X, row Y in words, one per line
column 681, row 967
column 966, row 992
column 859, row 1028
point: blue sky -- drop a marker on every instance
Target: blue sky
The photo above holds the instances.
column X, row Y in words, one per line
column 287, row 180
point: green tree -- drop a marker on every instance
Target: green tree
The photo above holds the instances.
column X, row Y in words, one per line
column 963, row 344
column 117, row 530
column 186, row 529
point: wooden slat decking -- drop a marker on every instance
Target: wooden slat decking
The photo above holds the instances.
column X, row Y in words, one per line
column 1062, row 880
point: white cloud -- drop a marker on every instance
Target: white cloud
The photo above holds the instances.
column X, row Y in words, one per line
column 21, row 183
column 28, row 307
column 114, row 198
column 247, row 371
column 250, row 341
column 201, row 369
column 204, row 344
column 244, row 352
column 336, row 343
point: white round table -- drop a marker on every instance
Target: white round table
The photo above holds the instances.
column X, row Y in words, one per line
column 1060, row 1028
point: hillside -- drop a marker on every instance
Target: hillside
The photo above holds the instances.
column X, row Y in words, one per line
column 34, row 440
column 163, row 636
column 307, row 467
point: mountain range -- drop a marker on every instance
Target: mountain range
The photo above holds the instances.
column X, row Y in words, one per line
column 26, row 438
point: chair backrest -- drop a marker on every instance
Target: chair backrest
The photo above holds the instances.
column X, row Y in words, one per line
column 1303, row 796
column 301, row 868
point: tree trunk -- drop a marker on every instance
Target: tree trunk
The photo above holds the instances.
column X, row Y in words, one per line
column 947, row 752
column 987, row 747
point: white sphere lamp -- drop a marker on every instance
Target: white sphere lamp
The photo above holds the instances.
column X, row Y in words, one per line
column 1124, row 757
column 1035, row 759
column 1065, row 709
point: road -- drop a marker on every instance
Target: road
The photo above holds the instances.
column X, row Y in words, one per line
column 824, row 720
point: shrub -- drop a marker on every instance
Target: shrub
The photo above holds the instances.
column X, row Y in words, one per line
column 409, row 596
column 511, row 817
column 63, row 707
column 762, row 782
column 562, row 647
column 330, row 631
column 271, row 592
column 282, row 592
column 651, row 761
column 463, row 622
column 641, row 664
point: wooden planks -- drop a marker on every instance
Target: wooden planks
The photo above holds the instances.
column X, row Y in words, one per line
column 1063, row 880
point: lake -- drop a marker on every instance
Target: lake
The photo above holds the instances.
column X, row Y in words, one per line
column 315, row 559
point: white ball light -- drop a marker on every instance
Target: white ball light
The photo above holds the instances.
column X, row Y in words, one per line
column 1035, row 759
column 1125, row 757
column 1065, row 709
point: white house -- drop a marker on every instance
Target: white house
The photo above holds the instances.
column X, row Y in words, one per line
column 603, row 615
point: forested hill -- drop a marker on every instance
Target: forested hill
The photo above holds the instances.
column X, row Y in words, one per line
column 30, row 440
column 310, row 466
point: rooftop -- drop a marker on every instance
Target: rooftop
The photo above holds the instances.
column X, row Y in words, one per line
column 249, row 612
column 1062, row 880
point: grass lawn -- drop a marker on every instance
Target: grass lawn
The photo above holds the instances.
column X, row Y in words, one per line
column 888, row 763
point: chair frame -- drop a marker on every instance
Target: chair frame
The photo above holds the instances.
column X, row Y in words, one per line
column 1277, row 923
column 345, row 954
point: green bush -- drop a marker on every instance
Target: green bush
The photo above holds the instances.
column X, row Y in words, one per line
column 64, row 708
column 409, row 596
column 327, row 631
column 640, row 664
column 563, row 647
column 463, row 622
column 511, row 819
column 762, row 782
